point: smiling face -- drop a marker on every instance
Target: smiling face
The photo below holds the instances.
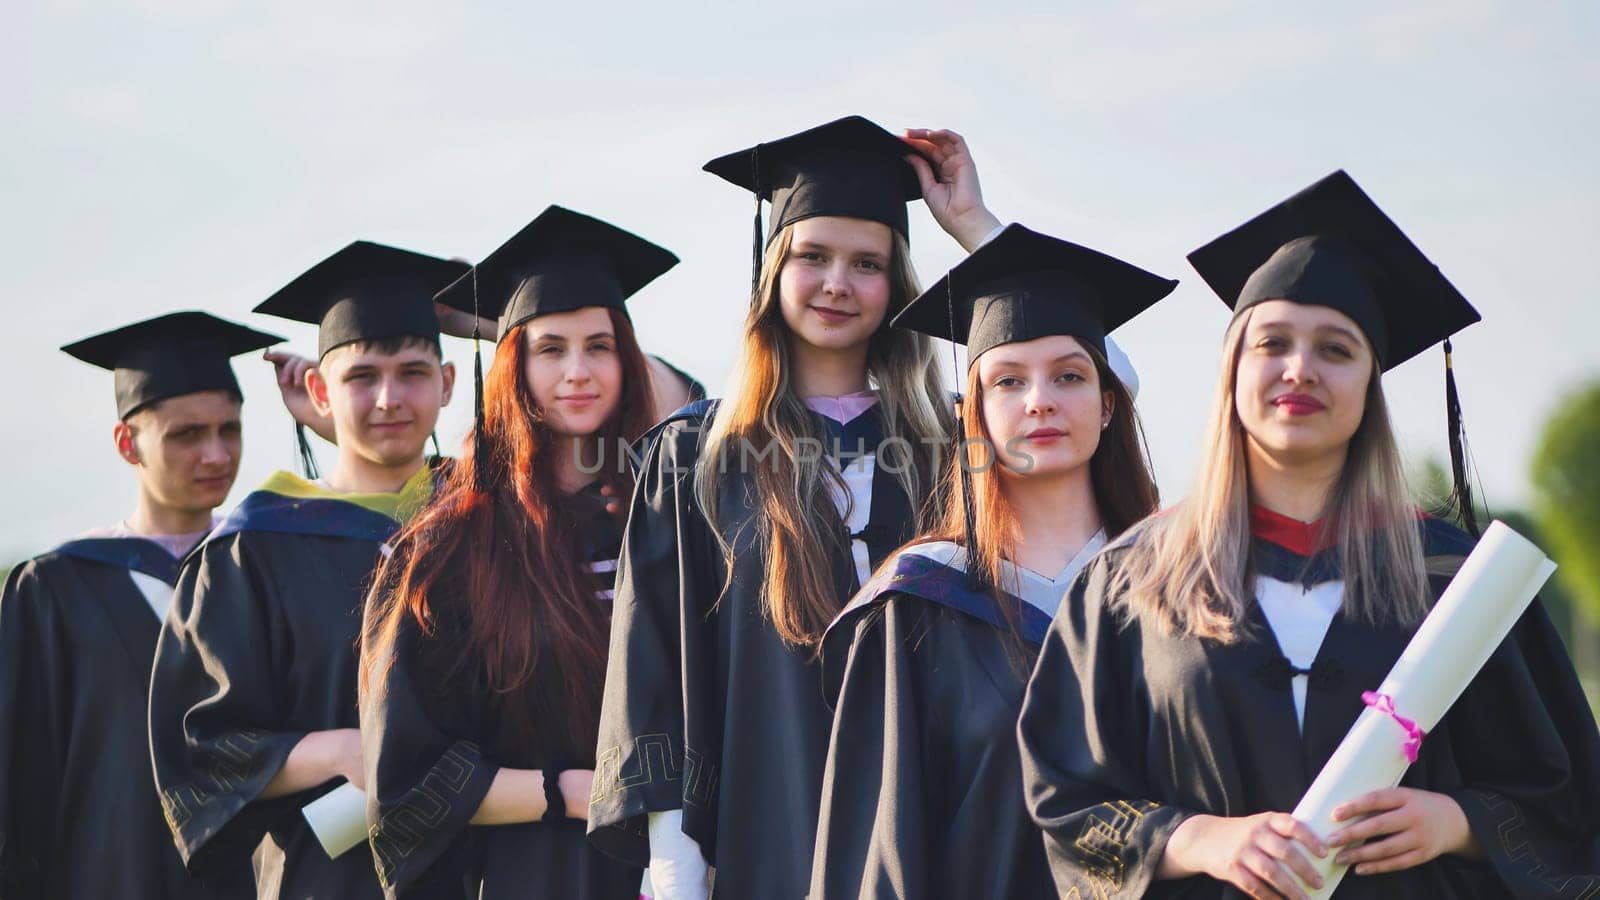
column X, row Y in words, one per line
column 1302, row 380
column 834, row 286
column 186, row 448
column 1042, row 405
column 384, row 404
column 573, row 369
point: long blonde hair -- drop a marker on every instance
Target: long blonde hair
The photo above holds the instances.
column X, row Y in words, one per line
column 800, row 527
column 1187, row 568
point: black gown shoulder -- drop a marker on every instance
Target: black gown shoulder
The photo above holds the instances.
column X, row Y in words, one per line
column 258, row 650
column 432, row 750
column 76, row 639
column 706, row 709
column 922, row 793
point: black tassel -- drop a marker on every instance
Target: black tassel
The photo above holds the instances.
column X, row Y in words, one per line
column 438, row 454
column 758, row 233
column 1461, row 487
column 969, row 505
column 308, row 460
column 481, row 479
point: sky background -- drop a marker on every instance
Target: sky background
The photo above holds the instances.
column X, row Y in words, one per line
column 197, row 154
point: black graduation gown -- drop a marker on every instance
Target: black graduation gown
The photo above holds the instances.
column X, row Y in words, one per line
column 432, row 755
column 258, row 650
column 1126, row 732
column 923, row 792
column 79, row 816
column 706, row 709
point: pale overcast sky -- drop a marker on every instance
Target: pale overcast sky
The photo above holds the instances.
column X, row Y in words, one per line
column 177, row 154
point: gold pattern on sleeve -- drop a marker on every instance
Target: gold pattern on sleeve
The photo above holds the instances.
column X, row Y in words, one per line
column 403, row 827
column 653, row 760
column 1102, row 844
column 225, row 771
column 1520, row 851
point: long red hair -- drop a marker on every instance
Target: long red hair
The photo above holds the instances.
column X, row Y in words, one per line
column 499, row 581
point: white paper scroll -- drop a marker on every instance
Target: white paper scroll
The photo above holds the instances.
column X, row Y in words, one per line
column 338, row 819
column 1476, row 612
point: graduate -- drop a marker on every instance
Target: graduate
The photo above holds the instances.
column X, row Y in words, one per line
column 78, row 629
column 253, row 694
column 671, row 388
column 922, row 794
column 757, row 517
column 486, row 632
column 1208, row 663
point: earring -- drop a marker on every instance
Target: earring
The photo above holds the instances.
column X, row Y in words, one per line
column 1104, row 425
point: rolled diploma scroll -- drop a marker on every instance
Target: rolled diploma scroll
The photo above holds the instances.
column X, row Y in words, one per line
column 338, row 819
column 1484, row 600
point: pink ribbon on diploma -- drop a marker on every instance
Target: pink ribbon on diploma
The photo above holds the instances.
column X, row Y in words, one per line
column 1385, row 704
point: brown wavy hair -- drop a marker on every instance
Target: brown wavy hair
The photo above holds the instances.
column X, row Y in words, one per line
column 498, row 580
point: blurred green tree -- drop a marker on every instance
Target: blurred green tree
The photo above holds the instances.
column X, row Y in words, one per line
column 1566, row 484
column 1430, row 480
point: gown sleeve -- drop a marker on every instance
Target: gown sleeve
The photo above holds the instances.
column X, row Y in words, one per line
column 25, row 819
column 425, row 777
column 661, row 667
column 872, row 832
column 1526, row 741
column 1083, row 737
column 217, row 730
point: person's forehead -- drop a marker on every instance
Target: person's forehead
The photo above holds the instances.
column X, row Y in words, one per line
column 844, row 232
column 570, row 325
column 1287, row 313
column 201, row 406
column 1038, row 351
column 352, row 355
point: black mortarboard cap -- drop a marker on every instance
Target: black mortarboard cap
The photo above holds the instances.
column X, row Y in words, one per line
column 169, row 356
column 1330, row 245
column 366, row 292
column 849, row 167
column 561, row 261
column 1023, row 285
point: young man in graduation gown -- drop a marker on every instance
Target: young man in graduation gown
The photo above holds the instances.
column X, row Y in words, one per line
column 79, row 817
column 253, row 711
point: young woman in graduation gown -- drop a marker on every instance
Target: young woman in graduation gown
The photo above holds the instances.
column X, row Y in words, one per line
column 485, row 635
column 758, row 515
column 1207, row 664
column 922, row 793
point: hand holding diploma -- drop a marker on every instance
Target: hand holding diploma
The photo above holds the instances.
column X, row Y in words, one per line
column 1476, row 612
column 1413, row 827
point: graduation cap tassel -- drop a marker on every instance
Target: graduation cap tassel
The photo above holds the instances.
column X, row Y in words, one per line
column 480, row 444
column 969, row 512
column 757, row 231
column 308, row 460
column 1461, row 487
